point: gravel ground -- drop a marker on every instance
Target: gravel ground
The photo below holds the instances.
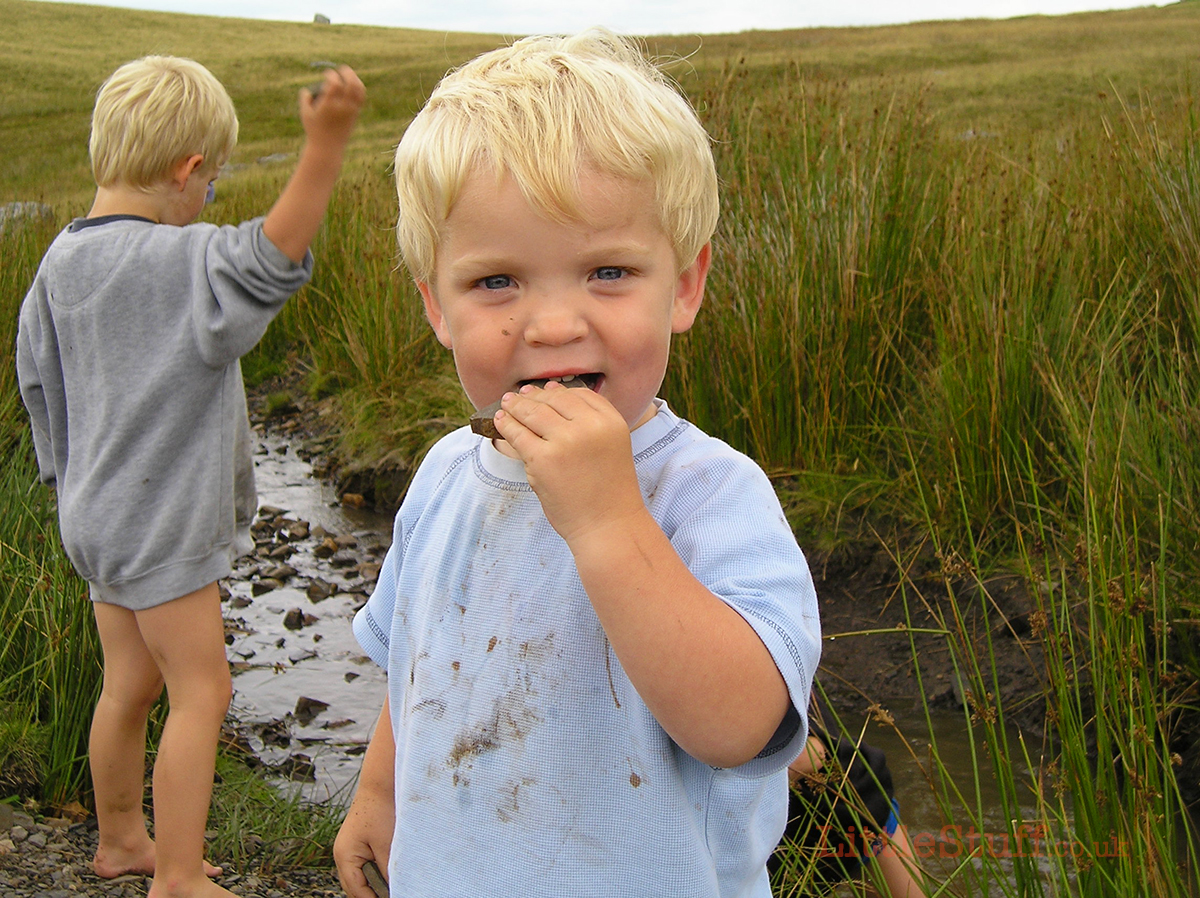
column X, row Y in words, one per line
column 53, row 859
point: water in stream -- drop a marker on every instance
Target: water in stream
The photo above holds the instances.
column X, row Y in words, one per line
column 938, row 843
column 277, row 666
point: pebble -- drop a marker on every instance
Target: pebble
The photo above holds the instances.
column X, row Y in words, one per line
column 44, row 860
column 319, row 590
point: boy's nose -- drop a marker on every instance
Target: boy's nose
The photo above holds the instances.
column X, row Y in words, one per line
column 554, row 323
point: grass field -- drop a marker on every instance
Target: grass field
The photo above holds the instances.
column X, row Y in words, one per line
column 955, row 301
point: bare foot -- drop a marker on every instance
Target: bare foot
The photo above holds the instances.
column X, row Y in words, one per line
column 109, row 863
column 205, row 889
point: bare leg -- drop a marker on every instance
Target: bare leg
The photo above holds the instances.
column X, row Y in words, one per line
column 186, row 638
column 117, row 748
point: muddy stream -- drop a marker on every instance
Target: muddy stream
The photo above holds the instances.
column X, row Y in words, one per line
column 306, row 698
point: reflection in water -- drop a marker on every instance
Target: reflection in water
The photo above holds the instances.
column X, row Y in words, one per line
column 950, row 801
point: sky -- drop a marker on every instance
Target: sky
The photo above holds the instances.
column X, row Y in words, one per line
column 519, row 17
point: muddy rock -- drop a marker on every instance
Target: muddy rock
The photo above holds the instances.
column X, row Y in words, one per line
column 319, row 589
column 280, row 572
column 264, row 585
column 308, row 708
column 297, row 530
column 297, row 619
column 344, row 560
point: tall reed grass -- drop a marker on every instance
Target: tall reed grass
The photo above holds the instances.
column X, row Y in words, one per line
column 1003, row 332
column 369, row 335
column 48, row 648
column 49, row 671
column 1093, row 801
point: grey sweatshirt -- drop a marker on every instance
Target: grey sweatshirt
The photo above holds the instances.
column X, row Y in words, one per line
column 127, row 360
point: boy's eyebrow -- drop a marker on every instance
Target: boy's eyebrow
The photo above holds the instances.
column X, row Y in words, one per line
column 476, row 264
column 596, row 254
column 618, row 248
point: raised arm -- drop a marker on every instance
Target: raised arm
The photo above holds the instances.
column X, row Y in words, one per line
column 328, row 121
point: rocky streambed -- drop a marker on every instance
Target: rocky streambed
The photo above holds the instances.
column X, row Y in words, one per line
column 52, row 858
column 305, row 696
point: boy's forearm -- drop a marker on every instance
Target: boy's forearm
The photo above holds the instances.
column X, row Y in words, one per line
column 378, row 774
column 296, row 217
column 701, row 669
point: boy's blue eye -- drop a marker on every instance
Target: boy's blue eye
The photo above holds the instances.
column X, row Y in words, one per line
column 496, row 282
column 610, row 273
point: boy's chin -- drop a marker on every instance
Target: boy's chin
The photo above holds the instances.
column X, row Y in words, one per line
column 647, row 414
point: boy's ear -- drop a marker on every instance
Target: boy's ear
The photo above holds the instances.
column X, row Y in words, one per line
column 689, row 291
column 433, row 311
column 183, row 171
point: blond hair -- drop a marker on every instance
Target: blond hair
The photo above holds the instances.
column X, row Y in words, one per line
column 154, row 112
column 542, row 110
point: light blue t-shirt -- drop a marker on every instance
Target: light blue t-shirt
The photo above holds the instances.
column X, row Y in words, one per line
column 526, row 764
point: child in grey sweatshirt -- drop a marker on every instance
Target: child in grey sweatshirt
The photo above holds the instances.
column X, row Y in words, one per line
column 127, row 360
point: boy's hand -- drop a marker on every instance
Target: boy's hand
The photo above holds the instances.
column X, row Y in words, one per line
column 701, row 669
column 366, row 835
column 329, row 111
column 577, row 455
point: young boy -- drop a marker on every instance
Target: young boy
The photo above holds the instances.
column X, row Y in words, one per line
column 598, row 628
column 127, row 358
column 842, row 820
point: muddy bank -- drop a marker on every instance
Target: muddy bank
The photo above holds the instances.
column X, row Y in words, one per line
column 859, row 592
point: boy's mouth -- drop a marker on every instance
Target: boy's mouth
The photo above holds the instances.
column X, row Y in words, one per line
column 592, row 380
column 482, row 423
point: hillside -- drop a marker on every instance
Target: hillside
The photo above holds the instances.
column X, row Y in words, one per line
column 978, row 77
